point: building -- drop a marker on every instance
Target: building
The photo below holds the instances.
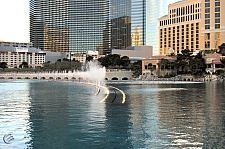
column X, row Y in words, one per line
column 142, row 16
column 213, row 24
column 180, row 29
column 121, row 32
column 69, row 25
column 213, row 62
column 19, row 55
column 82, row 57
column 15, row 53
column 150, row 65
column 135, row 53
column 136, row 37
column 193, row 25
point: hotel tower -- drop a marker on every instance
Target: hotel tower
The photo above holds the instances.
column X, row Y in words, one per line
column 193, row 25
column 81, row 25
column 69, row 25
column 135, row 22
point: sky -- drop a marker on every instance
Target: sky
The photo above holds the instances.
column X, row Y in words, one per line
column 14, row 20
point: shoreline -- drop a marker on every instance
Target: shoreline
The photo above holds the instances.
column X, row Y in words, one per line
column 143, row 82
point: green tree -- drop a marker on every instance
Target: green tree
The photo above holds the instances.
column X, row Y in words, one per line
column 151, row 68
column 222, row 49
column 164, row 64
column 137, row 68
column 3, row 65
column 182, row 62
column 125, row 61
column 89, row 58
column 23, row 65
column 223, row 61
column 197, row 65
column 111, row 60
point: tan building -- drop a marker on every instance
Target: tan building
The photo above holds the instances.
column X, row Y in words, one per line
column 193, row 25
column 213, row 24
column 180, row 29
column 56, row 39
column 150, row 66
column 213, row 62
column 136, row 37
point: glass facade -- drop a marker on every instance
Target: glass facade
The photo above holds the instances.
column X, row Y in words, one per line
column 49, row 25
column 81, row 25
column 69, row 25
column 88, row 24
column 143, row 15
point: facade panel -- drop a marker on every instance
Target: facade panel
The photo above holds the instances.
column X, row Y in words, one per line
column 180, row 29
column 69, row 25
column 213, row 24
column 143, row 26
column 82, row 25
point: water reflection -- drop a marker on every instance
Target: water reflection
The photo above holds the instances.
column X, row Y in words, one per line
column 67, row 115
column 14, row 114
column 48, row 115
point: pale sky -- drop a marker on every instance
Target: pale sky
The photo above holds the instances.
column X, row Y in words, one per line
column 14, row 20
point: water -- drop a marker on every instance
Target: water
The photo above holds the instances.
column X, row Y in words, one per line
column 66, row 115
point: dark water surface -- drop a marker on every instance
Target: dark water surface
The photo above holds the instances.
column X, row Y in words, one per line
column 66, row 115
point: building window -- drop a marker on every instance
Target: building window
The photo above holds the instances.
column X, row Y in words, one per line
column 217, row 20
column 207, row 44
column 207, row 4
column 217, row 9
column 207, row 15
column 207, row 21
column 217, row 3
column 217, row 26
column 207, row 10
column 207, row 26
column 217, row 15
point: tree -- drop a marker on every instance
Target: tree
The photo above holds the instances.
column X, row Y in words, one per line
column 125, row 61
column 113, row 61
column 183, row 61
column 89, row 58
column 23, row 65
column 137, row 68
column 223, row 61
column 197, row 65
column 164, row 64
column 222, row 49
column 3, row 65
column 151, row 67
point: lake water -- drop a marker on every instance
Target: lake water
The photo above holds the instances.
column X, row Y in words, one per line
column 67, row 115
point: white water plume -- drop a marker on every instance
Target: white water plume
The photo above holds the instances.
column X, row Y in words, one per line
column 93, row 72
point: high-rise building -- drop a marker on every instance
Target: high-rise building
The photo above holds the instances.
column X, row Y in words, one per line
column 143, row 15
column 69, row 25
column 180, row 29
column 121, row 32
column 82, row 25
column 193, row 25
column 213, row 24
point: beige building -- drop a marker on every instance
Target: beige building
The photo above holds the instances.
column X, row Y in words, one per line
column 82, row 57
column 150, row 66
column 193, row 25
column 14, row 59
column 136, row 37
column 213, row 24
column 213, row 62
column 180, row 29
